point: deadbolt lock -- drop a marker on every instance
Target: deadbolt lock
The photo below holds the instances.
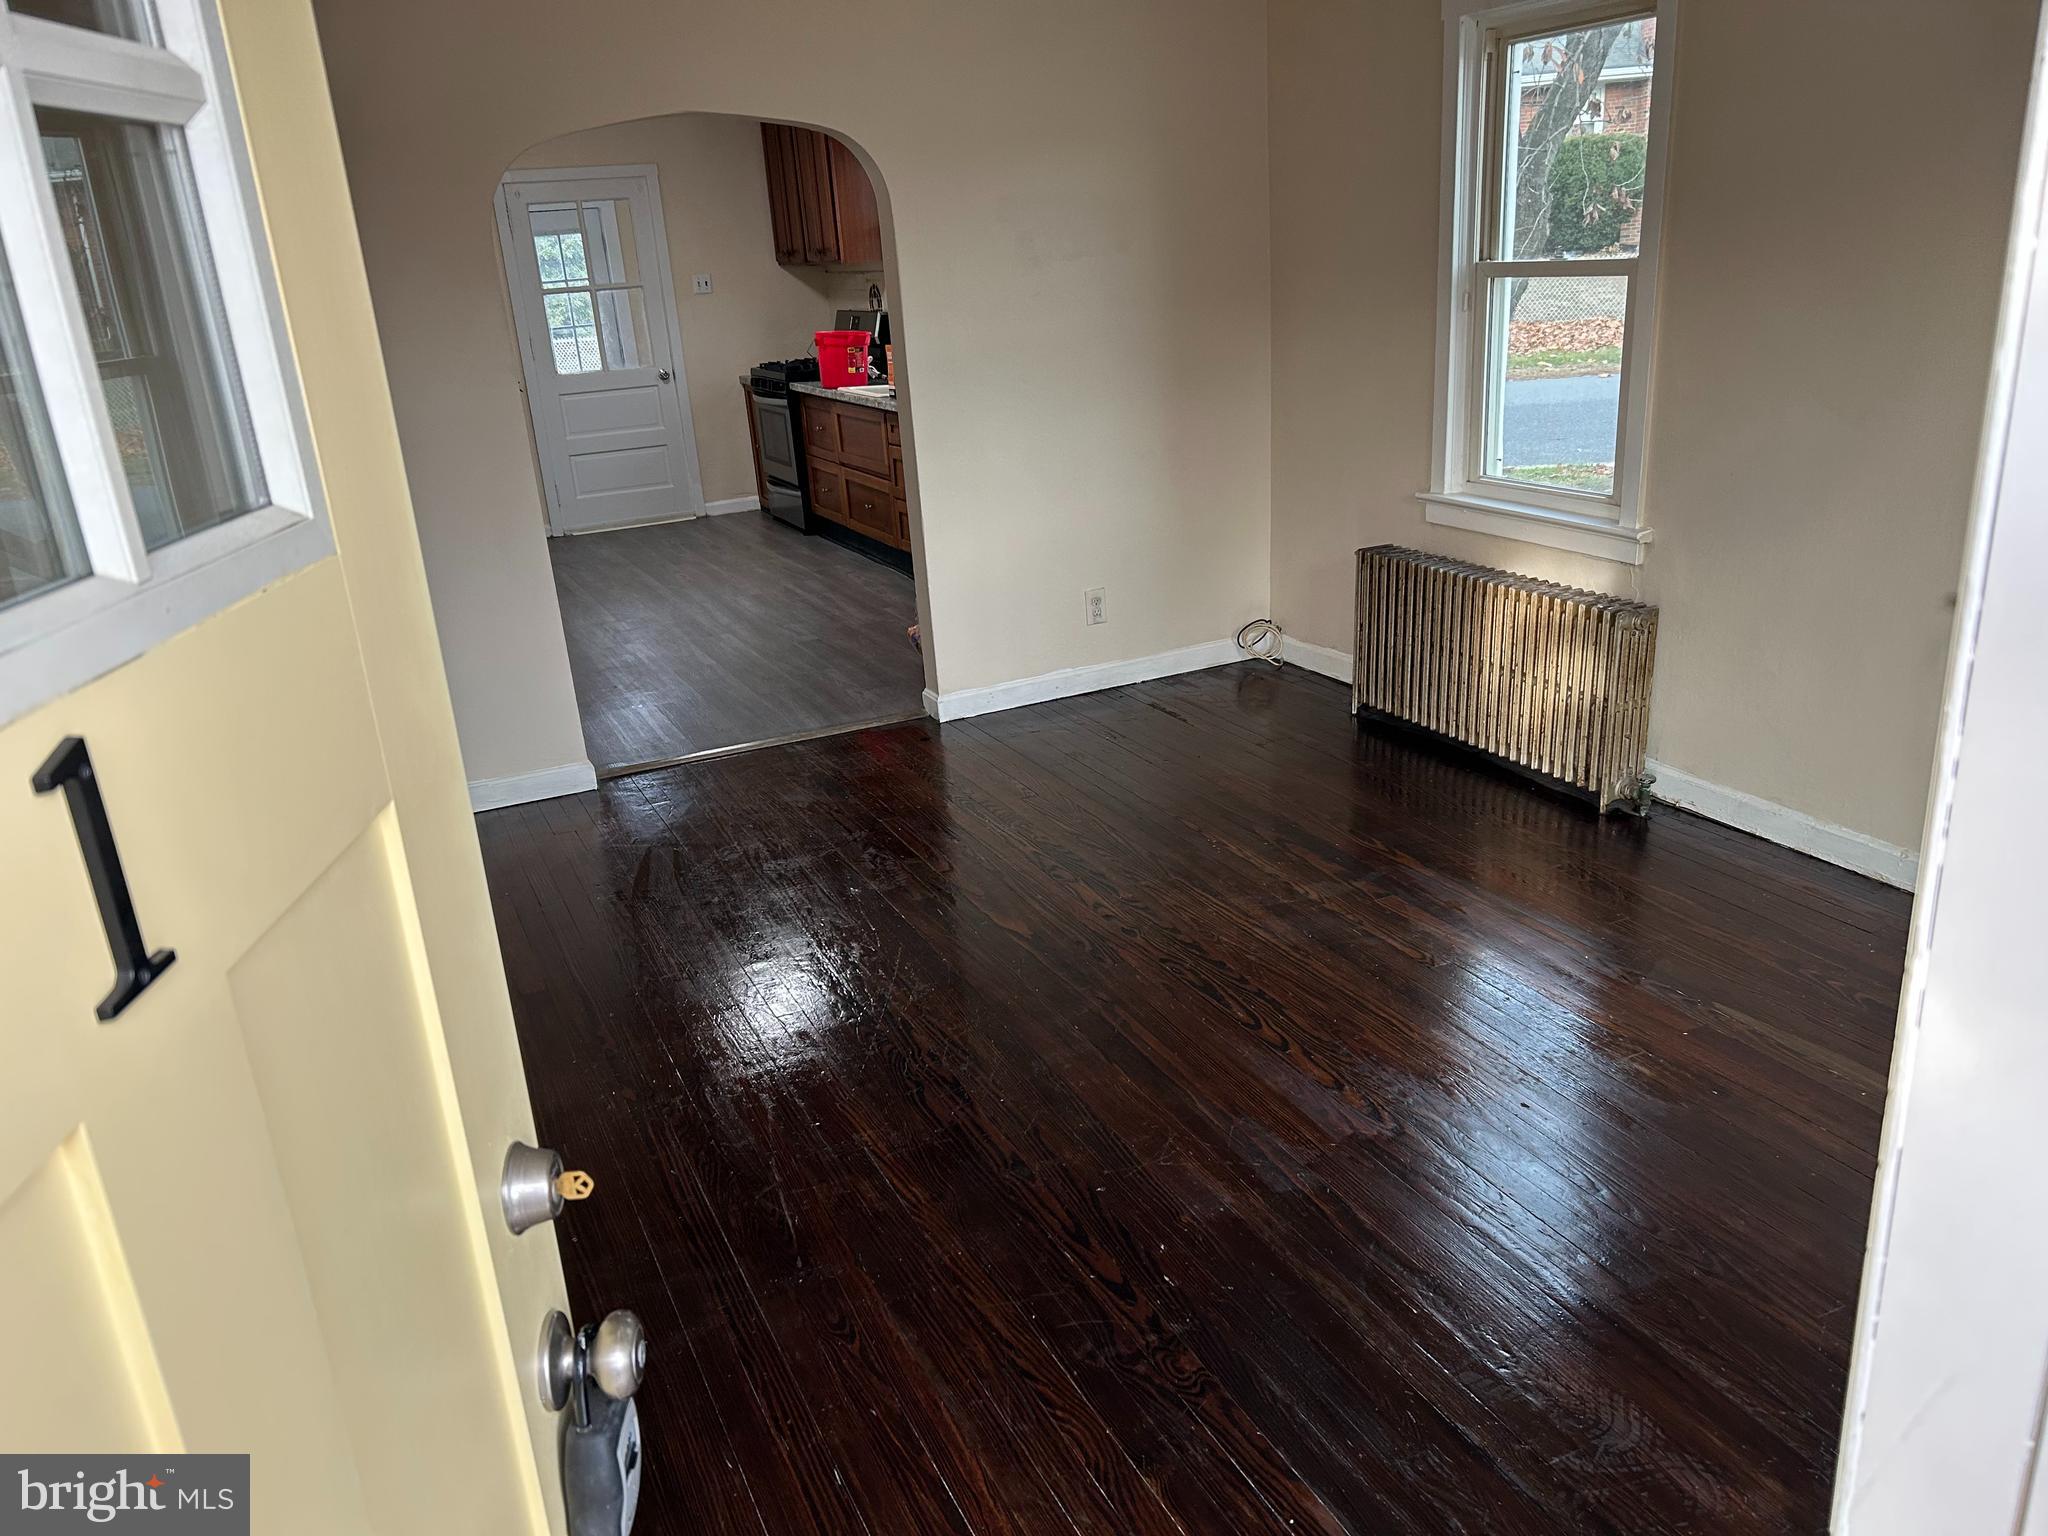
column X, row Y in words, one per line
column 535, row 1186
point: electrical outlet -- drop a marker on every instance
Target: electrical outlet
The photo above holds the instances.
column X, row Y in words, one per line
column 1098, row 605
column 703, row 282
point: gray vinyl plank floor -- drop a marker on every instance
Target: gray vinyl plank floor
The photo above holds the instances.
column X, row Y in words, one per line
column 685, row 637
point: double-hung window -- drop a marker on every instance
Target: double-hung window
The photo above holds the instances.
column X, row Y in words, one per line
column 1553, row 175
column 153, row 457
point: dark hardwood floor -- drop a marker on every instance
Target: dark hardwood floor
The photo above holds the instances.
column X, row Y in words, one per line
column 1171, row 1111
column 723, row 630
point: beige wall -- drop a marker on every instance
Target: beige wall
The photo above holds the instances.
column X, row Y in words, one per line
column 1069, row 183
column 714, row 198
column 1840, row 185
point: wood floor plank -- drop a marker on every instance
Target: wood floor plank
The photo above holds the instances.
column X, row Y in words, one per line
column 1171, row 1110
column 722, row 630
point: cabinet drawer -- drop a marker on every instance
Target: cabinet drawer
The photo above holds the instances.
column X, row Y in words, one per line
column 863, row 444
column 896, row 470
column 895, row 429
column 903, row 521
column 869, row 506
column 821, row 427
column 828, row 492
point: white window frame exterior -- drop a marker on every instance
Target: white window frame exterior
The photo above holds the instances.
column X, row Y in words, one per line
column 133, row 599
column 1610, row 527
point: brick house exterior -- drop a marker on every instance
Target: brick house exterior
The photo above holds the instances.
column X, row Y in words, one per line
column 1621, row 104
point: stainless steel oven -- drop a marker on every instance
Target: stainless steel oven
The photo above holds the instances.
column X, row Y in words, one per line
column 782, row 445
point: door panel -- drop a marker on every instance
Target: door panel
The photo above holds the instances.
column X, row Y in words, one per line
column 623, row 472
column 587, row 417
column 89, row 1350
column 343, row 954
column 586, row 257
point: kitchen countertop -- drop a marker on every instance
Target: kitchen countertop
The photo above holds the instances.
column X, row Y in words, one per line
column 879, row 402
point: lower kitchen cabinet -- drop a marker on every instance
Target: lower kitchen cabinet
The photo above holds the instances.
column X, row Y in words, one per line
column 856, row 469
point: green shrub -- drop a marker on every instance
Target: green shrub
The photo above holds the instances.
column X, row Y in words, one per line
column 1595, row 187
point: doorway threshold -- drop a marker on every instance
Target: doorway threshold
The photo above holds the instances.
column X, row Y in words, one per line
column 655, row 765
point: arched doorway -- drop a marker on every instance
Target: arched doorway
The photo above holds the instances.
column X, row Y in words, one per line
column 729, row 540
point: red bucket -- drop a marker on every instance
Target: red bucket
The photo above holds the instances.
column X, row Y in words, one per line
column 842, row 358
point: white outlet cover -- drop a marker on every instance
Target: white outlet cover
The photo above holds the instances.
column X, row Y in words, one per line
column 703, row 282
column 1095, row 605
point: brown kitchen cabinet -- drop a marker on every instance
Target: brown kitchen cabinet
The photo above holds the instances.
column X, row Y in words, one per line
column 821, row 205
column 856, row 471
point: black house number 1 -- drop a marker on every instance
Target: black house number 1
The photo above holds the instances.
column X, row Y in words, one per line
column 69, row 768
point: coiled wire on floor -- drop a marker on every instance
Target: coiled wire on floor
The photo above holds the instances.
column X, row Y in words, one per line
column 1258, row 633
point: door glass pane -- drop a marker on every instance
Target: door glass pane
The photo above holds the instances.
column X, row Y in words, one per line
column 1577, row 117
column 131, row 223
column 622, row 328
column 572, row 332
column 1554, row 380
column 588, row 256
column 118, row 18
column 608, row 236
column 39, row 542
column 560, row 257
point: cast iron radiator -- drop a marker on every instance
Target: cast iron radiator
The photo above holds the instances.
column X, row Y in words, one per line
column 1545, row 678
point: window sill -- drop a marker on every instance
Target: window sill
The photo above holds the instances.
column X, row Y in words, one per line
column 1576, row 532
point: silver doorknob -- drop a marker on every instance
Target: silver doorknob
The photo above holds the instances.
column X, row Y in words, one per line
column 611, row 1356
column 618, row 1355
column 662, row 374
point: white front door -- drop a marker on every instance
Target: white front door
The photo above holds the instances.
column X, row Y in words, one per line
column 586, row 254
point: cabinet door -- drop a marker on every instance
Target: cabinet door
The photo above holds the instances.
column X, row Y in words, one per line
column 863, row 440
column 821, row 428
column 853, row 196
column 870, row 508
column 783, row 216
column 828, row 492
column 814, row 195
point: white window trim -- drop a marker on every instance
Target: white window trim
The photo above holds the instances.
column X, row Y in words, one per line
column 1609, row 528
column 66, row 636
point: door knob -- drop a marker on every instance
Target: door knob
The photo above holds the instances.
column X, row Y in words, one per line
column 534, row 1186
column 618, row 1355
column 594, row 1373
column 610, row 1356
column 662, row 374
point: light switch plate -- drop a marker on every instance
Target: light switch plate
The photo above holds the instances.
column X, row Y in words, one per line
column 702, row 281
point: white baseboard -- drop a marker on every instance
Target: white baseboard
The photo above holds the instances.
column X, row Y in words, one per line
column 542, row 784
column 1793, row 829
column 963, row 702
column 732, row 504
column 1327, row 660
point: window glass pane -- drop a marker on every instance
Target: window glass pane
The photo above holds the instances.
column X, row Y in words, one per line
column 131, row 222
column 39, row 542
column 1554, row 380
column 1577, row 117
column 119, row 18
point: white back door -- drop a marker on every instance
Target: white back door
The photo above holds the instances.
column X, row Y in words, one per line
column 586, row 254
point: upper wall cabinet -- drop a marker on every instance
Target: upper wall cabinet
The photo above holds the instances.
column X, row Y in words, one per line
column 820, row 201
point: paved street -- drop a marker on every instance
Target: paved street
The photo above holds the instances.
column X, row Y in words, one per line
column 1561, row 421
